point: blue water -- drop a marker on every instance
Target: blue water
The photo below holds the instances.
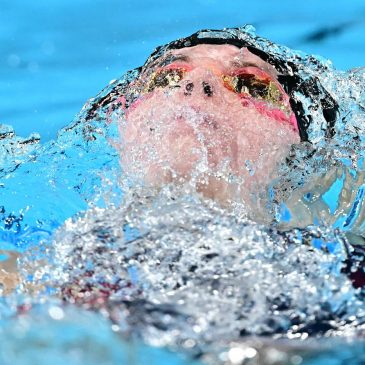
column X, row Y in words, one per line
column 54, row 55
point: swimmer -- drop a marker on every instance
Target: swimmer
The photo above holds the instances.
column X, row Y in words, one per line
column 206, row 112
column 215, row 113
column 219, row 106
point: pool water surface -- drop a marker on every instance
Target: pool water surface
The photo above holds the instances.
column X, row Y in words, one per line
column 168, row 277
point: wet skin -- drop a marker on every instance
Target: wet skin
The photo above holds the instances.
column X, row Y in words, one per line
column 215, row 114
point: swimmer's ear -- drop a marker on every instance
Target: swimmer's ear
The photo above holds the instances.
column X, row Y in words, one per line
column 320, row 99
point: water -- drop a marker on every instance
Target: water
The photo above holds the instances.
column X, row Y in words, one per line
column 64, row 334
column 171, row 269
column 45, row 78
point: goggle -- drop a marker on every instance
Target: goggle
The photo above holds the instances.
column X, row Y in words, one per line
column 257, row 85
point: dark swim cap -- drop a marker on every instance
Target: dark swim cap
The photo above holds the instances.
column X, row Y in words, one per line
column 289, row 64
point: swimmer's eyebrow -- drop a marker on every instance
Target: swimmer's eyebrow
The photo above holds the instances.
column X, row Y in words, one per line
column 238, row 64
column 173, row 58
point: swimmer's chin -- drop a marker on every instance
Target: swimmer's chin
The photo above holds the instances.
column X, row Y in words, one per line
column 227, row 193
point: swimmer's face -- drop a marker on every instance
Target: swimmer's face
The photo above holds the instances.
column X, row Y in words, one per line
column 213, row 112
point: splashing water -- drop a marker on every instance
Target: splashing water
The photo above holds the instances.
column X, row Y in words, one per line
column 172, row 268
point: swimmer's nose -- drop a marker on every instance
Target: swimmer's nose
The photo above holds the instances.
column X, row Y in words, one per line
column 201, row 82
column 189, row 87
column 206, row 87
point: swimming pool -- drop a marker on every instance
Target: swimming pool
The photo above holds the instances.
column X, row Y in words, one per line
column 65, row 179
column 47, row 59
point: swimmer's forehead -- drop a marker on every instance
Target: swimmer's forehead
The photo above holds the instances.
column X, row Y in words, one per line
column 226, row 57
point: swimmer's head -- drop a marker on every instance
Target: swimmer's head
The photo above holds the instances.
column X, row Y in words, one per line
column 223, row 106
column 213, row 113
